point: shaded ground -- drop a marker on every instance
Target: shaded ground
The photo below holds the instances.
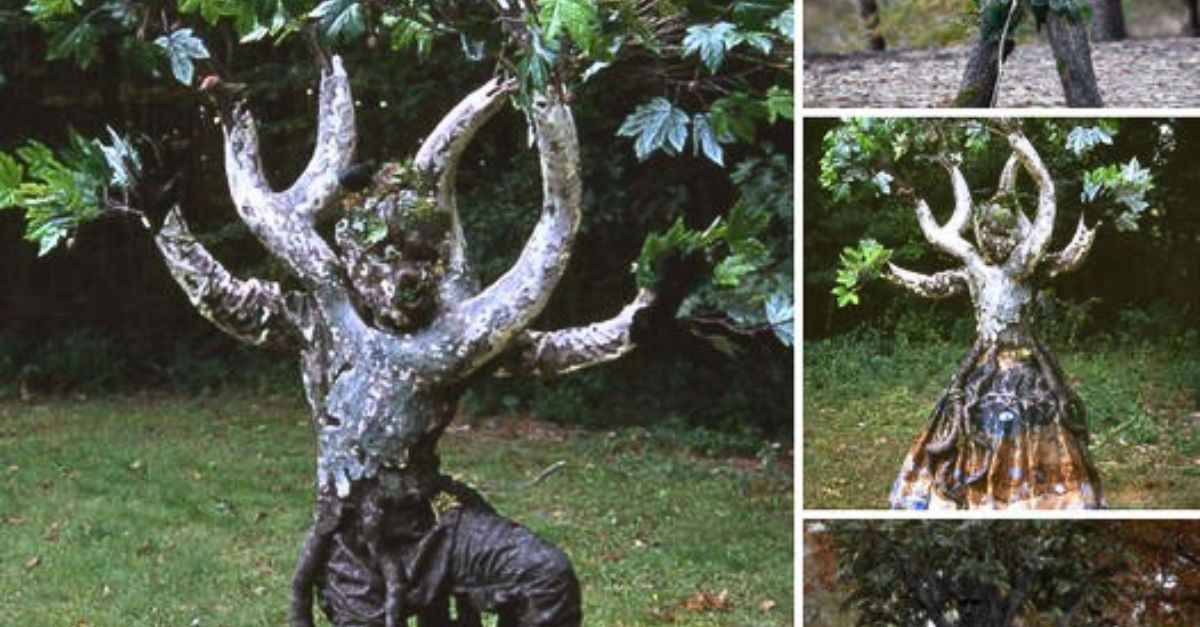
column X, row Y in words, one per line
column 865, row 401
column 1135, row 73
column 191, row 511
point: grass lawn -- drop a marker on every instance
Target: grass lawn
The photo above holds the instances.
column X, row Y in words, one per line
column 191, row 511
column 864, row 401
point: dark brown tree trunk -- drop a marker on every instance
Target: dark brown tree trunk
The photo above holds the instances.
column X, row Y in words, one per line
column 979, row 79
column 1073, row 59
column 1192, row 28
column 868, row 10
column 1108, row 21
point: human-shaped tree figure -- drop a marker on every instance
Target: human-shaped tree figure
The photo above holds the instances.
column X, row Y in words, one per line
column 1008, row 431
column 389, row 326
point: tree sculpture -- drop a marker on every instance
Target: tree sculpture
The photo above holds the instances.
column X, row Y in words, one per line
column 389, row 326
column 1008, row 431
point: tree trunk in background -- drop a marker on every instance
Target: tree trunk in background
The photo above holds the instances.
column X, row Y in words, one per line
column 979, row 79
column 1192, row 28
column 869, row 11
column 1073, row 59
column 1108, row 21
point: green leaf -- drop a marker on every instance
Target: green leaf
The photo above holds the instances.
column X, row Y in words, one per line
column 1082, row 139
column 182, row 46
column 704, row 138
column 710, row 41
column 780, row 104
column 123, row 160
column 578, row 18
column 657, row 124
column 785, row 23
column 341, row 20
column 781, row 315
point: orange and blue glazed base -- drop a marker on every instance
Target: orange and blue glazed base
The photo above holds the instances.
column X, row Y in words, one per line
column 1007, row 434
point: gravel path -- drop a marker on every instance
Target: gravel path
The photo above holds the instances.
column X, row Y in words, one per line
column 1136, row 73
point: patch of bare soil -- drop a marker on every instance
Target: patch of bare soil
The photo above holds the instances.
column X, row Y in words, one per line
column 1144, row 73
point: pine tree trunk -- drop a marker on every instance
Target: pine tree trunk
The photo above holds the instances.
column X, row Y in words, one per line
column 1073, row 59
column 868, row 10
column 1108, row 21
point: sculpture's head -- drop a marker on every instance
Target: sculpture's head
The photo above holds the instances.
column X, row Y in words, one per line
column 393, row 240
column 997, row 227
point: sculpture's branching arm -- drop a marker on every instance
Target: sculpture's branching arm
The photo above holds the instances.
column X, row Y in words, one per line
column 548, row 353
column 1073, row 254
column 251, row 310
column 437, row 163
column 941, row 285
column 1008, row 185
column 949, row 238
column 481, row 327
column 284, row 221
column 1029, row 251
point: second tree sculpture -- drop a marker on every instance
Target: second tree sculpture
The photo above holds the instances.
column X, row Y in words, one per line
column 1007, row 432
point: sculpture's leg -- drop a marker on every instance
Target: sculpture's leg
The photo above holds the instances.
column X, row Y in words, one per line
column 312, row 559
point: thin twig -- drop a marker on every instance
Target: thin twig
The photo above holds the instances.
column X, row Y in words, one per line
column 1000, row 53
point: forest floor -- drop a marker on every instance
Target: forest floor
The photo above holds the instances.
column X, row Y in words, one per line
column 1149, row 73
column 864, row 401
column 190, row 511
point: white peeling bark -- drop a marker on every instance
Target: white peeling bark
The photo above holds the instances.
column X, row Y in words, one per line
column 482, row 326
column 944, row 284
column 252, row 310
column 283, row 221
column 553, row 353
column 1072, row 256
column 436, row 163
column 1029, row 250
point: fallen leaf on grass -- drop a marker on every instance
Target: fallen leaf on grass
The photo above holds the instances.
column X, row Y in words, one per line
column 707, row 602
column 768, row 605
column 33, row 562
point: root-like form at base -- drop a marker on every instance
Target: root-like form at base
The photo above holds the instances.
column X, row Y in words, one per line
column 380, row 557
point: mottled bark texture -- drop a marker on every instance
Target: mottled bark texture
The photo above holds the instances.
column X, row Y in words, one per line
column 1008, row 432
column 390, row 325
column 1072, row 55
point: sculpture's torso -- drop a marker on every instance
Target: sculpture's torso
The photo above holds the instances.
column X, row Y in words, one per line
column 1002, row 305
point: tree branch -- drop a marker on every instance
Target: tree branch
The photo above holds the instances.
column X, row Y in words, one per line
column 485, row 324
column 962, row 200
column 949, row 238
column 334, row 150
column 253, row 311
column 550, row 353
column 1029, row 251
column 436, row 164
column 941, row 285
column 1008, row 185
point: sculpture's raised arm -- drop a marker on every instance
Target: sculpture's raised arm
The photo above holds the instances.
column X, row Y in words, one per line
column 1032, row 247
column 1008, row 185
column 283, row 221
column 944, row 284
column 251, row 310
column 484, row 325
column 436, row 165
column 949, row 238
column 549, row 353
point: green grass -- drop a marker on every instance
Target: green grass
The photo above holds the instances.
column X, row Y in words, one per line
column 176, row 511
column 865, row 399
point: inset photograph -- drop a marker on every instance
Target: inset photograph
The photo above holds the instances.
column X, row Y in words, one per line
column 1001, row 53
column 1001, row 573
column 1001, row 314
